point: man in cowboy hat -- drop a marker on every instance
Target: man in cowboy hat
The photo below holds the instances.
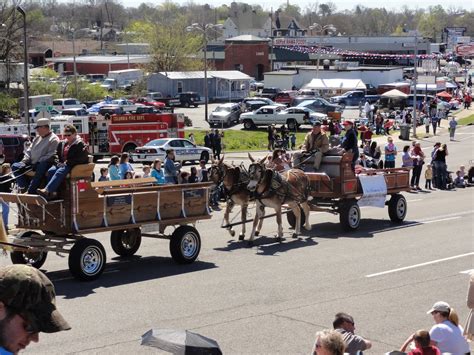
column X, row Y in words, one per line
column 27, row 307
column 316, row 143
column 39, row 156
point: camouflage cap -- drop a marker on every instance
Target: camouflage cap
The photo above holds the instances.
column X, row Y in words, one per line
column 30, row 293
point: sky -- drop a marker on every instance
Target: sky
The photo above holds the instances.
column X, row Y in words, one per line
column 340, row 4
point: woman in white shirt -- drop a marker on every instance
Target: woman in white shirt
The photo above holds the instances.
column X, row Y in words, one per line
column 447, row 334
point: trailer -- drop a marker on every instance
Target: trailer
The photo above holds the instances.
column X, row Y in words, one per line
column 128, row 209
column 335, row 188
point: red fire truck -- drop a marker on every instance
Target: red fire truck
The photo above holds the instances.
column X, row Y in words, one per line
column 122, row 133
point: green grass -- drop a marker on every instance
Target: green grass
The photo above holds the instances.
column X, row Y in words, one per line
column 238, row 141
column 466, row 120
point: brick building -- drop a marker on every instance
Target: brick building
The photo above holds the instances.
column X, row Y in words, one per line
column 247, row 53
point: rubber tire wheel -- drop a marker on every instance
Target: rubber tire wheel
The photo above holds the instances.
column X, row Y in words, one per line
column 291, row 218
column 35, row 259
column 248, row 124
column 346, row 210
column 126, row 242
column 79, row 252
column 205, row 156
column 343, row 106
column 292, row 125
column 185, row 237
column 186, row 104
column 396, row 202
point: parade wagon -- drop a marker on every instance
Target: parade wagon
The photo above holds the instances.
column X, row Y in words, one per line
column 128, row 209
column 337, row 189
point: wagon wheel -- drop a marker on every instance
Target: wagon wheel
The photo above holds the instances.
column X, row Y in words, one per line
column 126, row 242
column 349, row 215
column 35, row 259
column 291, row 218
column 397, row 208
column 185, row 244
column 87, row 259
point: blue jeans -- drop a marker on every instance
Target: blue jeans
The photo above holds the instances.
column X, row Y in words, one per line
column 5, row 212
column 22, row 181
column 56, row 175
column 171, row 180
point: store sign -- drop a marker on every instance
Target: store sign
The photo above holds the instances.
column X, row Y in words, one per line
column 290, row 42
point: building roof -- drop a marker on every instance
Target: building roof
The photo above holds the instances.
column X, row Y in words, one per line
column 220, row 74
column 103, row 59
column 246, row 38
column 64, row 47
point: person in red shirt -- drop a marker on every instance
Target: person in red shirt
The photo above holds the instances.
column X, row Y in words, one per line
column 422, row 343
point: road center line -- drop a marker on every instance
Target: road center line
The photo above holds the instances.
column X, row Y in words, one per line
column 419, row 265
column 441, row 220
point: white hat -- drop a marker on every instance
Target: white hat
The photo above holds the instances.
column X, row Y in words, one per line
column 42, row 122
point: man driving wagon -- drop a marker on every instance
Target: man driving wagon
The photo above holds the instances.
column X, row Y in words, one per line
column 315, row 145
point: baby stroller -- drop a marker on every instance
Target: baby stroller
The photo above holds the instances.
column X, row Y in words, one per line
column 449, row 180
column 279, row 142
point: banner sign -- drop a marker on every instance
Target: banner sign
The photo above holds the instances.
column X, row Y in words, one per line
column 374, row 190
column 465, row 50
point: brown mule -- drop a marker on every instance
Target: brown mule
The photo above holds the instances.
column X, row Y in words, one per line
column 235, row 184
column 271, row 189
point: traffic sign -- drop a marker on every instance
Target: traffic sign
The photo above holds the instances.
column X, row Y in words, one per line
column 44, row 108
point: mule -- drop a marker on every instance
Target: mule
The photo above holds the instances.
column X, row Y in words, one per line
column 235, row 185
column 271, row 189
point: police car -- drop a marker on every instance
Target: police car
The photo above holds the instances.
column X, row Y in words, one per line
column 184, row 150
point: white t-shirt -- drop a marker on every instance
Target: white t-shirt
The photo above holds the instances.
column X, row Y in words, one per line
column 449, row 338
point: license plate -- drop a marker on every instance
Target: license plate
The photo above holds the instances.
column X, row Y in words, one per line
column 141, row 156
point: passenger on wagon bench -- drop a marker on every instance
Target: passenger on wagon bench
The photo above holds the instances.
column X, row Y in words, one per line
column 316, row 143
column 39, row 156
column 349, row 142
column 71, row 152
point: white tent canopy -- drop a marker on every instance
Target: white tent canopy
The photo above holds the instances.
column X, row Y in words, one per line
column 336, row 84
column 394, row 94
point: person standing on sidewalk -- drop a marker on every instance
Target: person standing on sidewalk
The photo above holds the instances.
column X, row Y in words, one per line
column 434, row 123
column 452, row 128
column 390, row 153
column 418, row 161
column 427, row 122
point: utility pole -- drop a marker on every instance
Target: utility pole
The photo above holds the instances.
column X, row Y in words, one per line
column 26, row 104
column 415, row 77
column 271, row 39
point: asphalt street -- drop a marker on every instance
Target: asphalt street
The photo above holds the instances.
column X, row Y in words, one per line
column 272, row 298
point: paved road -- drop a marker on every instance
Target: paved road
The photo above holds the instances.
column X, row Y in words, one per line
column 272, row 298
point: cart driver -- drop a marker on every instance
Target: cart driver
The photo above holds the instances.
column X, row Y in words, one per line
column 316, row 143
column 40, row 156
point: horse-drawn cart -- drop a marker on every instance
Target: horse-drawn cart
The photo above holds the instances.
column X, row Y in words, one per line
column 122, row 207
column 335, row 188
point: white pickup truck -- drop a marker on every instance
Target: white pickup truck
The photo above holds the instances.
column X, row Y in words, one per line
column 293, row 117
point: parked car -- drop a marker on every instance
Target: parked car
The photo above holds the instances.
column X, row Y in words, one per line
column 252, row 105
column 11, row 147
column 147, row 109
column 108, row 110
column 256, row 85
column 261, row 99
column 419, row 99
column 75, row 112
column 188, row 99
column 285, row 97
column 62, row 104
column 35, row 113
column 267, row 115
column 353, row 98
column 225, row 115
column 270, row 93
column 150, row 102
column 126, row 105
column 95, row 78
column 168, row 101
column 299, row 99
column 183, row 148
column 320, row 105
column 308, row 92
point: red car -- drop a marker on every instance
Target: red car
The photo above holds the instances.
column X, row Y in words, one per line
column 285, row 97
column 150, row 102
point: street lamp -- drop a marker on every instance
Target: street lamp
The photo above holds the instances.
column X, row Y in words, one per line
column 74, row 60
column 321, row 30
column 25, row 73
column 204, row 29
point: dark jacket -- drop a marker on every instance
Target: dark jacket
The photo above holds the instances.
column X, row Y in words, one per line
column 6, row 183
column 349, row 142
column 77, row 154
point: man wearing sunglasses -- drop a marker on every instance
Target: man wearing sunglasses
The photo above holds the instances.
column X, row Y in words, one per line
column 71, row 152
column 344, row 324
column 27, row 307
column 39, row 157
